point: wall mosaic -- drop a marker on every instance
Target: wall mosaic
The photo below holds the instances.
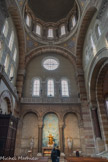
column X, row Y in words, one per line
column 50, row 126
column 30, row 44
column 70, row 44
column 21, row 2
column 83, row 2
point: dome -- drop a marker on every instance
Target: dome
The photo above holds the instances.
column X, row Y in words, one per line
column 51, row 10
column 52, row 20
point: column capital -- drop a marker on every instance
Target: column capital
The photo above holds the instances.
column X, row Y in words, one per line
column 93, row 108
column 40, row 124
column 61, row 124
column 22, row 72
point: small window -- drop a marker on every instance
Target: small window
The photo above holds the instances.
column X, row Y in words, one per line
column 63, row 30
column 28, row 20
column 65, row 88
column 106, row 105
column 98, row 31
column 1, row 50
column 50, row 63
column 50, row 33
column 50, row 88
column 5, row 28
column 92, row 42
column 6, row 63
column 87, row 56
column 36, row 87
column 38, row 29
column 11, row 40
column 15, row 54
column 73, row 21
column 11, row 72
column 106, row 36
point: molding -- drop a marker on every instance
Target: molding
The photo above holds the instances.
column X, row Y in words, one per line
column 73, row 101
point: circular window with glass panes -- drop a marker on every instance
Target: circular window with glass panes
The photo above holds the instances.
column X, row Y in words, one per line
column 50, row 63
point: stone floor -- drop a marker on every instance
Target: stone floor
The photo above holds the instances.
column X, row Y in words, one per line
column 86, row 159
column 68, row 159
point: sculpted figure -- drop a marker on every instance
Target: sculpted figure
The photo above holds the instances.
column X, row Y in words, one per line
column 31, row 143
column 50, row 139
column 69, row 142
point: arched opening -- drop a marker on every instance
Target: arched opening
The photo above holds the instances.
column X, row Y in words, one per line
column 5, row 106
column 50, row 130
column 98, row 91
column 29, row 134
column 71, row 133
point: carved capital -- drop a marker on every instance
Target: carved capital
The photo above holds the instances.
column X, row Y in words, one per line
column 93, row 108
column 61, row 124
column 21, row 72
column 40, row 124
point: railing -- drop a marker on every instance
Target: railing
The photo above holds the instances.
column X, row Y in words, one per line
column 65, row 100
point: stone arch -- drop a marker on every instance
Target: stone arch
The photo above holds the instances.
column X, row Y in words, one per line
column 76, row 113
column 14, row 11
column 85, row 22
column 96, row 65
column 101, row 99
column 52, row 111
column 29, row 132
column 71, row 132
column 98, row 69
column 29, row 111
column 6, row 95
column 60, row 50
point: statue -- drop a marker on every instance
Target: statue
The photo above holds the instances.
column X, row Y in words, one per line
column 30, row 151
column 69, row 142
column 31, row 143
column 51, row 142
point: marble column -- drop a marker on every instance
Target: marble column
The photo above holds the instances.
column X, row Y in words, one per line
column 96, row 122
column 40, row 138
column 61, row 137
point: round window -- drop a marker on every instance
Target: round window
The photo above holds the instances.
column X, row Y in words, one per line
column 50, row 63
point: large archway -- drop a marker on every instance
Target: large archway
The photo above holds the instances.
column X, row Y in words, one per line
column 97, row 95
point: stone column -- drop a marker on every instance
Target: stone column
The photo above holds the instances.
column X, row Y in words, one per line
column 61, row 137
column 40, row 138
column 96, row 122
column 100, row 147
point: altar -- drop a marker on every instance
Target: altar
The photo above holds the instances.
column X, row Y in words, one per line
column 46, row 151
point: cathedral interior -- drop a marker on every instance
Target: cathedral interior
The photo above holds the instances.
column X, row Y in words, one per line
column 53, row 77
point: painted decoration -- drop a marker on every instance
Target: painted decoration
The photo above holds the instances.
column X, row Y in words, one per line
column 50, row 130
